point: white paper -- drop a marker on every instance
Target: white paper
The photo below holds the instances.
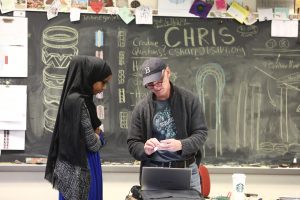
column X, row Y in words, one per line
column 19, row 13
column 284, row 28
column 143, row 15
column 12, row 61
column 13, row 106
column 175, row 8
column 7, row 6
column 14, row 31
column 74, row 14
column 99, row 95
column 13, row 47
column 12, row 140
column 265, row 14
column 52, row 10
column 102, row 128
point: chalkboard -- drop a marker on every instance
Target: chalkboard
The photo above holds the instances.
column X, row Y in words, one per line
column 247, row 81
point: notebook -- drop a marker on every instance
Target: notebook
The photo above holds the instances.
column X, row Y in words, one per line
column 159, row 178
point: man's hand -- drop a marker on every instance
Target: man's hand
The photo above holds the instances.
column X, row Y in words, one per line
column 170, row 145
column 151, row 146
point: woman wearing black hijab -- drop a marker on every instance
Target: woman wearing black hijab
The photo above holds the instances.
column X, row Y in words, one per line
column 73, row 165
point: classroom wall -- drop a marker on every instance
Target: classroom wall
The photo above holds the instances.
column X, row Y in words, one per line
column 30, row 185
column 246, row 80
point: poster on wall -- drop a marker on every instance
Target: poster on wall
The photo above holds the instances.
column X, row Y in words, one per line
column 175, row 8
column 13, row 47
column 12, row 140
column 13, row 106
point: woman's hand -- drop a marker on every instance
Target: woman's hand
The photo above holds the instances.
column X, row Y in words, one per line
column 100, row 135
column 98, row 131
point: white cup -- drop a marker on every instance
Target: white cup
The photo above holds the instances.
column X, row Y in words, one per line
column 238, row 183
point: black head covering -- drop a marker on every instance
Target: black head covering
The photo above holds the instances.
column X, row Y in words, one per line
column 68, row 141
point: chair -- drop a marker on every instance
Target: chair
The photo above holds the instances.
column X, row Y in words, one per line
column 205, row 180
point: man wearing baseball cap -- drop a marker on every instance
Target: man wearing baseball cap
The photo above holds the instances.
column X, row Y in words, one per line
column 168, row 127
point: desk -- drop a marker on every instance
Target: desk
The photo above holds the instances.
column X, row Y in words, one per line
column 119, row 168
column 118, row 179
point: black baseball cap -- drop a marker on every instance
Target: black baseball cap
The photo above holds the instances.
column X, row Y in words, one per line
column 152, row 69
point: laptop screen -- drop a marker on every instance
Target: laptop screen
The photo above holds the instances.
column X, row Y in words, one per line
column 158, row 178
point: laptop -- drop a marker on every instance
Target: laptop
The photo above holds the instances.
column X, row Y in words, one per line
column 159, row 178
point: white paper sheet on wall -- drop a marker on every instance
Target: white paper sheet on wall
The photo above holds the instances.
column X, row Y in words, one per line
column 13, row 106
column 284, row 28
column 143, row 15
column 175, row 8
column 12, row 140
column 13, row 47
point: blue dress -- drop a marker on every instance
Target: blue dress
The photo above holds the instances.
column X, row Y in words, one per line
column 96, row 184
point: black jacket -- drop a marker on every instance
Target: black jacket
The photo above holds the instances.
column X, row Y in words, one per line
column 189, row 120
